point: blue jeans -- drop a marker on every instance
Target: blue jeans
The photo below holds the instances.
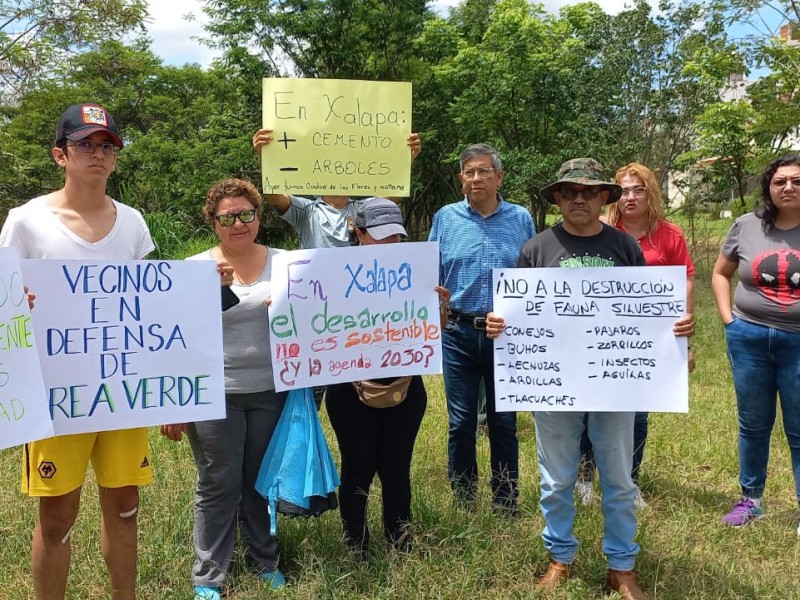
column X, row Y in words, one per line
column 558, row 436
column 468, row 359
column 639, row 438
column 765, row 363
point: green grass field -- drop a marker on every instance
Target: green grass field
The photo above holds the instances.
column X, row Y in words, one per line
column 689, row 475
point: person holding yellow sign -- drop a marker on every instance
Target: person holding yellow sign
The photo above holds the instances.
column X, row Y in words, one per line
column 319, row 222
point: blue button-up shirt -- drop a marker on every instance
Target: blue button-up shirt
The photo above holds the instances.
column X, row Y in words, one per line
column 470, row 246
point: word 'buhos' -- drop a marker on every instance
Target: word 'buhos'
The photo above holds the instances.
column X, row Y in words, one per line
column 113, row 338
column 77, row 401
column 322, row 322
column 378, row 279
column 118, row 279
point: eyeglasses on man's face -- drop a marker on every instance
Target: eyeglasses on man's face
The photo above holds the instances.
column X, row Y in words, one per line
column 782, row 182
column 483, row 173
column 228, row 219
column 636, row 192
column 88, row 147
column 569, row 192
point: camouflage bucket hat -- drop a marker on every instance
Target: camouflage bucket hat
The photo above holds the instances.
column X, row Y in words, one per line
column 583, row 171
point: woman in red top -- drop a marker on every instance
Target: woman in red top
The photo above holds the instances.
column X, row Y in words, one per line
column 640, row 213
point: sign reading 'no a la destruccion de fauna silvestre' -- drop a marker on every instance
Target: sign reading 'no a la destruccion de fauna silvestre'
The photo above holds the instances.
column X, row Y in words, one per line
column 348, row 314
column 591, row 339
column 23, row 408
column 128, row 344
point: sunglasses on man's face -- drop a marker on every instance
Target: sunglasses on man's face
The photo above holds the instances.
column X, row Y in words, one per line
column 228, row 219
column 588, row 193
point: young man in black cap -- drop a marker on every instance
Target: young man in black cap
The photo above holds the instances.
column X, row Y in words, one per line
column 79, row 221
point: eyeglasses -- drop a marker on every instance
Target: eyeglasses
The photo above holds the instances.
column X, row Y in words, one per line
column 87, row 147
column 570, row 193
column 782, row 181
column 482, row 173
column 228, row 219
column 637, row 192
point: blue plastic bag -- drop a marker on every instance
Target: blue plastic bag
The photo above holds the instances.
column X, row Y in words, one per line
column 298, row 476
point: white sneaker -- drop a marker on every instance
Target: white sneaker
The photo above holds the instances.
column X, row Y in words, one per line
column 639, row 501
column 585, row 492
column 798, row 530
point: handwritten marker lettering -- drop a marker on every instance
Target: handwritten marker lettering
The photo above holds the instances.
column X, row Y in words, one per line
column 596, row 339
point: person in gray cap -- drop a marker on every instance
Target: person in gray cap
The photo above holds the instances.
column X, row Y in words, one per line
column 80, row 222
column 581, row 239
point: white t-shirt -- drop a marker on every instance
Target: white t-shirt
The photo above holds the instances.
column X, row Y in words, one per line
column 35, row 231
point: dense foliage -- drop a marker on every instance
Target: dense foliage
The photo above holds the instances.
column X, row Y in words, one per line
column 640, row 85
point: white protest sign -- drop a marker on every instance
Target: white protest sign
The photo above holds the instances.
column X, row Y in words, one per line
column 23, row 402
column 128, row 344
column 591, row 339
column 355, row 313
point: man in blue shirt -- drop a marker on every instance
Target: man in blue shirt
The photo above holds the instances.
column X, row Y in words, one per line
column 478, row 234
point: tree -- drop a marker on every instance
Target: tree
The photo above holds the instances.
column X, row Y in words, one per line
column 183, row 129
column 37, row 35
column 724, row 146
column 347, row 39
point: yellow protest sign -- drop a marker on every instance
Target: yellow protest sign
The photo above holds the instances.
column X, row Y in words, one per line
column 337, row 137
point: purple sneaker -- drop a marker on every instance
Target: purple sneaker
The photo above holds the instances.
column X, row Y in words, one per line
column 743, row 512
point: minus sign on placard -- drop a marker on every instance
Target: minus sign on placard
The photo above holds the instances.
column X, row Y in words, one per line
column 592, row 377
column 288, row 169
column 501, row 380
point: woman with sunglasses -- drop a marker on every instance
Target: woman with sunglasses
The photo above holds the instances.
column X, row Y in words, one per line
column 377, row 440
column 762, row 328
column 228, row 452
column 640, row 213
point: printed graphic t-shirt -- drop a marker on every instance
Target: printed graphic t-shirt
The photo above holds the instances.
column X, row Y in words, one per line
column 768, row 292
column 557, row 248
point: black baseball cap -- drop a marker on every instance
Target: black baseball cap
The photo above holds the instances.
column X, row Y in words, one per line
column 82, row 120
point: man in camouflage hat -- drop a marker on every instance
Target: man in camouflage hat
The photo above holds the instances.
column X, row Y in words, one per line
column 582, row 240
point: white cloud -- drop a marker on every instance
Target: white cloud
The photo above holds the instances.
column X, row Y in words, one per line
column 173, row 34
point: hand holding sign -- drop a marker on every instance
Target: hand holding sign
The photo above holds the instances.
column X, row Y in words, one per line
column 335, row 137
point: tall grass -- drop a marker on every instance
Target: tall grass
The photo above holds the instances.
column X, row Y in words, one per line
column 689, row 475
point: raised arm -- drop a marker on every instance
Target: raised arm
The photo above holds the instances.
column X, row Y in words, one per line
column 281, row 202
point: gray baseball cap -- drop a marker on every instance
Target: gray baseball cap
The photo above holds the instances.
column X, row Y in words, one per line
column 380, row 217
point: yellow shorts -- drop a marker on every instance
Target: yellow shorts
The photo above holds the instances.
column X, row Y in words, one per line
column 56, row 466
